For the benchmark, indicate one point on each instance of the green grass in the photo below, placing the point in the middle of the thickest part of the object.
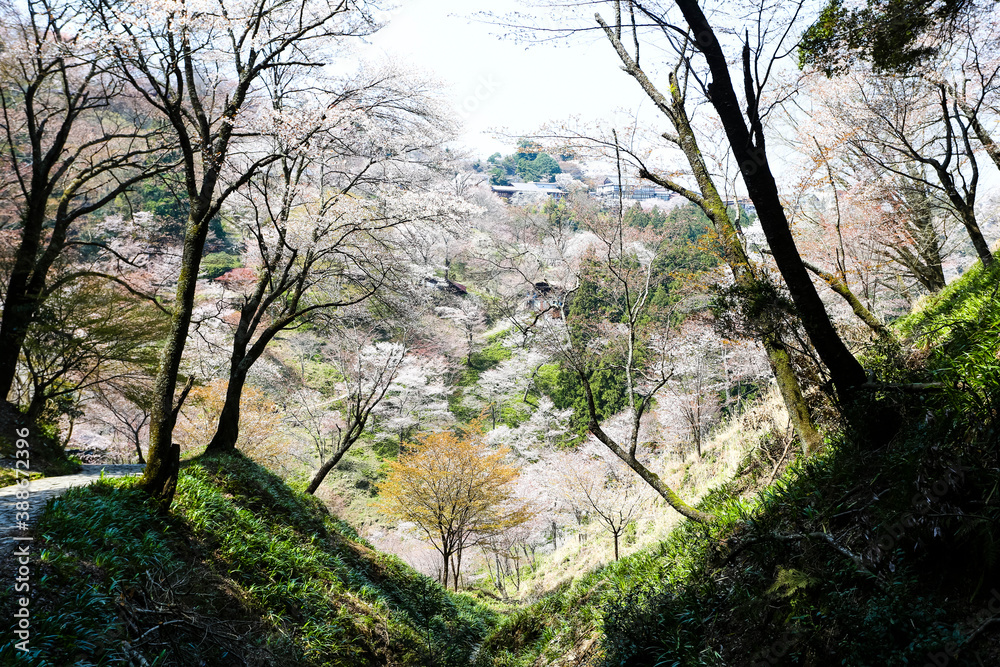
(242, 570)
(247, 570)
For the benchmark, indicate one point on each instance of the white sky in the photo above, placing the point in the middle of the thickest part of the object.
(498, 84)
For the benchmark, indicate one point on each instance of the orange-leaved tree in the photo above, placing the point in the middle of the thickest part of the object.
(457, 489)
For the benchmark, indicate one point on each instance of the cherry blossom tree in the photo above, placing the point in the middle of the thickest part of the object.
(205, 68)
(417, 398)
(322, 223)
(469, 316)
(698, 378)
(920, 241)
(506, 554)
(605, 491)
(547, 427)
(622, 267)
(508, 382)
(914, 131)
(124, 408)
(72, 139)
(367, 370)
(700, 187)
(744, 364)
(311, 412)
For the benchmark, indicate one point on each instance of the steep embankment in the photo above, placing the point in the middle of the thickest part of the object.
(244, 571)
(865, 555)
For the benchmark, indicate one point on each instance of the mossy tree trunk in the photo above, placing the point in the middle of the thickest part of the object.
(628, 457)
(837, 283)
(203, 150)
(163, 455)
(748, 146)
(711, 203)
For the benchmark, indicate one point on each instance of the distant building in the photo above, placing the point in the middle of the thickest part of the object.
(446, 285)
(742, 202)
(537, 190)
(634, 190)
(543, 296)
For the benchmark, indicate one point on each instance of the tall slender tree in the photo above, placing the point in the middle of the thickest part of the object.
(205, 67)
(707, 196)
(744, 128)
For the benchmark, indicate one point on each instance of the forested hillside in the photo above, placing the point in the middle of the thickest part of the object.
(716, 386)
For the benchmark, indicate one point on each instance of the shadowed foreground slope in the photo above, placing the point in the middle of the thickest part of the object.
(244, 571)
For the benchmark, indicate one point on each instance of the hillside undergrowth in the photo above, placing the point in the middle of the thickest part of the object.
(866, 554)
(244, 571)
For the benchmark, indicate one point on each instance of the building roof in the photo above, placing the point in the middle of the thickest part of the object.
(528, 187)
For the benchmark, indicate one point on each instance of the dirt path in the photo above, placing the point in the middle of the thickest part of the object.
(50, 487)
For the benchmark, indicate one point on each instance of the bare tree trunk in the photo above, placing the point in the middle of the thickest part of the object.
(458, 567)
(967, 215)
(710, 201)
(748, 148)
(330, 463)
(137, 443)
(227, 432)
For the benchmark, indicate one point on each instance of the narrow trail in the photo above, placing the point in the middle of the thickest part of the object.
(49, 487)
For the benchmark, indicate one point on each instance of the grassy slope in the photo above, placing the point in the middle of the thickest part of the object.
(839, 562)
(862, 555)
(746, 446)
(243, 571)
